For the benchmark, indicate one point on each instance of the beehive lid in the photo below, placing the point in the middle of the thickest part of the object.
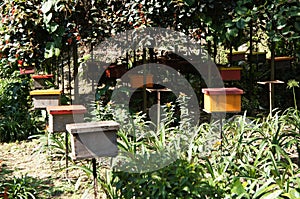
(46, 92)
(285, 58)
(222, 91)
(42, 76)
(258, 53)
(89, 127)
(67, 109)
(230, 68)
(237, 52)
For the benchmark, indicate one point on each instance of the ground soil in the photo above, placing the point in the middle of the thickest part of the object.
(19, 159)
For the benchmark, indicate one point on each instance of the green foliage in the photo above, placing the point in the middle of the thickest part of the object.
(21, 34)
(262, 151)
(180, 179)
(259, 165)
(256, 159)
(16, 121)
(291, 85)
(24, 187)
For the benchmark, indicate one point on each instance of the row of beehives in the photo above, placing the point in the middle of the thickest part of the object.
(88, 139)
(215, 100)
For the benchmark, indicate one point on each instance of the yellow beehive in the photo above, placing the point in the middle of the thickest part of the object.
(43, 98)
(222, 99)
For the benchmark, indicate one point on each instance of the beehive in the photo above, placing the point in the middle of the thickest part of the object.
(257, 57)
(43, 98)
(39, 81)
(222, 99)
(93, 139)
(237, 56)
(282, 62)
(137, 81)
(232, 73)
(59, 116)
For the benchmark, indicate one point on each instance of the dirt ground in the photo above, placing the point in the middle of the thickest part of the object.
(18, 159)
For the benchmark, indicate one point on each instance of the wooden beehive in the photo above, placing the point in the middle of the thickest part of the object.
(39, 81)
(236, 56)
(232, 73)
(59, 116)
(257, 57)
(282, 62)
(27, 70)
(115, 71)
(137, 81)
(222, 99)
(93, 139)
(43, 98)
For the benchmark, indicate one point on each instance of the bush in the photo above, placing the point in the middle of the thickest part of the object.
(16, 120)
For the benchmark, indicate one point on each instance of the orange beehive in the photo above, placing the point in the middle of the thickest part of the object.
(222, 99)
(139, 80)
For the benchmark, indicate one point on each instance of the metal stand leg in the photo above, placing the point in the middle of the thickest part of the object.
(95, 177)
(158, 110)
(67, 151)
(270, 98)
(221, 132)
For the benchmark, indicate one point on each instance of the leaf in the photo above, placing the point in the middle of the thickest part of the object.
(47, 6)
(281, 26)
(297, 25)
(47, 18)
(189, 2)
(228, 24)
(231, 33)
(56, 52)
(276, 38)
(238, 188)
(248, 19)
(186, 188)
(209, 38)
(264, 188)
(53, 27)
(241, 10)
(240, 23)
(58, 7)
(272, 195)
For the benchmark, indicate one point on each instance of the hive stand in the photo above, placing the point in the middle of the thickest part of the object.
(270, 91)
(158, 90)
(60, 116)
(44, 98)
(93, 139)
(222, 100)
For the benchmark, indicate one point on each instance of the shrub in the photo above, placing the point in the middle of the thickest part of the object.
(17, 122)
